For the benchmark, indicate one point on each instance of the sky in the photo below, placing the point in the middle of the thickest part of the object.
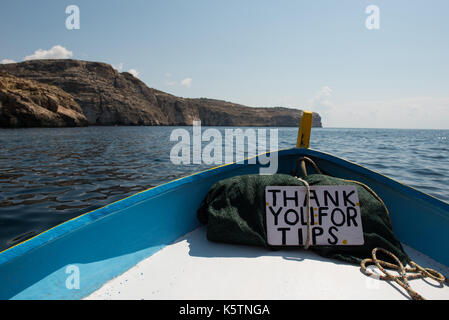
(358, 68)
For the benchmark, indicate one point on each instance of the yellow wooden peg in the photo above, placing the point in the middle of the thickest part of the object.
(305, 128)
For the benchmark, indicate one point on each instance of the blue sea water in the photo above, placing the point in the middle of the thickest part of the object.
(50, 175)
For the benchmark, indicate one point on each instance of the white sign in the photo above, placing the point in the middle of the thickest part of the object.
(335, 215)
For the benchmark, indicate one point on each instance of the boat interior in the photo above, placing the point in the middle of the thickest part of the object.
(151, 246)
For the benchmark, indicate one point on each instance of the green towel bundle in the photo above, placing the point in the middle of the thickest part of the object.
(235, 212)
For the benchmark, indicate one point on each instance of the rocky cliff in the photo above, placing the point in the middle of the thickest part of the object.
(108, 97)
(28, 103)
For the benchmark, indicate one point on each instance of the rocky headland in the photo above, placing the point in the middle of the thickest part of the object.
(55, 93)
(28, 103)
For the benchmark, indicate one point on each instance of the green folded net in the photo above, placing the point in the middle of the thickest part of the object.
(234, 211)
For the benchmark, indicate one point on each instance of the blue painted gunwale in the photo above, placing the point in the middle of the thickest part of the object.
(108, 241)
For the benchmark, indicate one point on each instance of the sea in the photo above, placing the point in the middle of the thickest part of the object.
(51, 175)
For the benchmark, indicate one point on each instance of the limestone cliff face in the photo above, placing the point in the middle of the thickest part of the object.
(108, 97)
(27, 103)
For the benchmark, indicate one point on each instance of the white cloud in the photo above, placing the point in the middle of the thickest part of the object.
(170, 83)
(56, 52)
(118, 67)
(321, 102)
(414, 112)
(134, 72)
(410, 112)
(187, 82)
(6, 61)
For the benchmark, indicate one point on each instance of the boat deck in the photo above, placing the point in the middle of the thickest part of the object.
(195, 268)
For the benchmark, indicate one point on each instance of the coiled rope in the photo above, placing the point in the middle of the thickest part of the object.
(417, 272)
(309, 215)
